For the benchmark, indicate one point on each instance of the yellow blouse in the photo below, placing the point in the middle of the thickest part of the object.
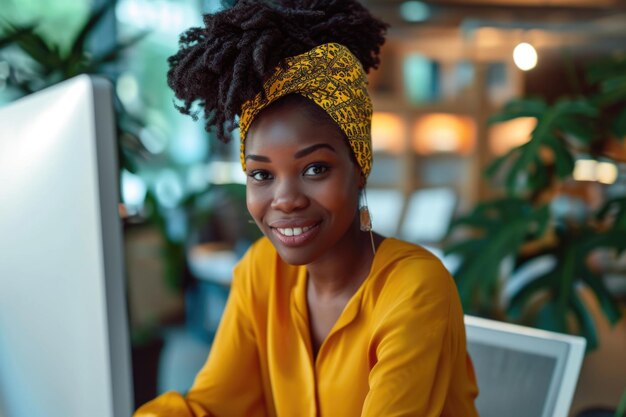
(398, 348)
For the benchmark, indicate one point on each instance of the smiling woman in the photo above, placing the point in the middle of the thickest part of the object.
(325, 317)
(301, 175)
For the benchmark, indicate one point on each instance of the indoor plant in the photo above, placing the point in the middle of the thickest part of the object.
(521, 225)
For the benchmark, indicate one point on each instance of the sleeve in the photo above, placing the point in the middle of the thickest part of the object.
(414, 345)
(230, 382)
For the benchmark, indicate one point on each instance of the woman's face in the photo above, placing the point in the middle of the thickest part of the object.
(302, 185)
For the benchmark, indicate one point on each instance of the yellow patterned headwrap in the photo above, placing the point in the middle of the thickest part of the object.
(332, 77)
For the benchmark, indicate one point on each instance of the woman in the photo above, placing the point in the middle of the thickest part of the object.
(325, 318)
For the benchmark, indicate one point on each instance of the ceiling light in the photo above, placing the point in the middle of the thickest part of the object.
(525, 56)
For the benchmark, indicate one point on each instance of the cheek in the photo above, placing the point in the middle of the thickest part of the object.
(339, 197)
(255, 201)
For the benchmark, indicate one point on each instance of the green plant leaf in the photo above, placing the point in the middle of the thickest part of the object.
(586, 323)
(563, 159)
(606, 68)
(566, 276)
(540, 222)
(616, 205)
(14, 34)
(519, 301)
(618, 127)
(115, 51)
(520, 108)
(603, 295)
(550, 318)
(615, 82)
(78, 46)
(462, 248)
(610, 239)
(38, 49)
(494, 166)
(580, 107)
(580, 128)
(524, 167)
(621, 407)
(521, 166)
(500, 227)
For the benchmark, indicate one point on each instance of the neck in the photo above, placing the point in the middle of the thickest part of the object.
(341, 271)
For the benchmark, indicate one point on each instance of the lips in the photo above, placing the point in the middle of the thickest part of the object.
(294, 233)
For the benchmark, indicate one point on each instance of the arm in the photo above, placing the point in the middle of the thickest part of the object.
(416, 344)
(230, 382)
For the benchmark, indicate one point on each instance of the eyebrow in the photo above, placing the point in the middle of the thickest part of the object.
(300, 154)
(258, 158)
(306, 151)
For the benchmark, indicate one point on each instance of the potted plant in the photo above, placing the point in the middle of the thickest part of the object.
(529, 254)
(522, 225)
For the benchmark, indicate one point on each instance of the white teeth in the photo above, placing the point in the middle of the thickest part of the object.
(296, 231)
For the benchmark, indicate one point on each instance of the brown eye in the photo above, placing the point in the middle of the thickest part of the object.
(315, 169)
(260, 175)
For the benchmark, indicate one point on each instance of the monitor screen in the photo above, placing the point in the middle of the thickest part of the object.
(523, 371)
(385, 206)
(428, 215)
(64, 346)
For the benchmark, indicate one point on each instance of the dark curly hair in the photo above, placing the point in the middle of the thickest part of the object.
(223, 64)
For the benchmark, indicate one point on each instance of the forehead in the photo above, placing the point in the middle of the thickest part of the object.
(291, 127)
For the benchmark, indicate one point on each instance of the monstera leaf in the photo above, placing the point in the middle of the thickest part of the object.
(520, 227)
(557, 288)
(500, 228)
(556, 126)
(610, 76)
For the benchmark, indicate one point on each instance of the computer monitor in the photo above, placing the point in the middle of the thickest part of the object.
(385, 206)
(428, 215)
(522, 371)
(64, 345)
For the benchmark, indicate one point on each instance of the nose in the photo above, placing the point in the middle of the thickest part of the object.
(288, 197)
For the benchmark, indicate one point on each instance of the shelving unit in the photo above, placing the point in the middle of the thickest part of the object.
(465, 86)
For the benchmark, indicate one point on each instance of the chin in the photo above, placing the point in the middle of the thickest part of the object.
(294, 256)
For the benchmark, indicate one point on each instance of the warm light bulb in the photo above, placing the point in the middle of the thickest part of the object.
(388, 132)
(585, 170)
(525, 56)
(442, 132)
(606, 172)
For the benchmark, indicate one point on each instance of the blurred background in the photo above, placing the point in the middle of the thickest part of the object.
(498, 133)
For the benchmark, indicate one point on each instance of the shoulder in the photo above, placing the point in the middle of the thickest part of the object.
(406, 265)
(410, 274)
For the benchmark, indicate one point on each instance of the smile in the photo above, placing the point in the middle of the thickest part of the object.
(296, 231)
(295, 236)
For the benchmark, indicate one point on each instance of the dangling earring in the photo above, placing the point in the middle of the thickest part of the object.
(366, 219)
